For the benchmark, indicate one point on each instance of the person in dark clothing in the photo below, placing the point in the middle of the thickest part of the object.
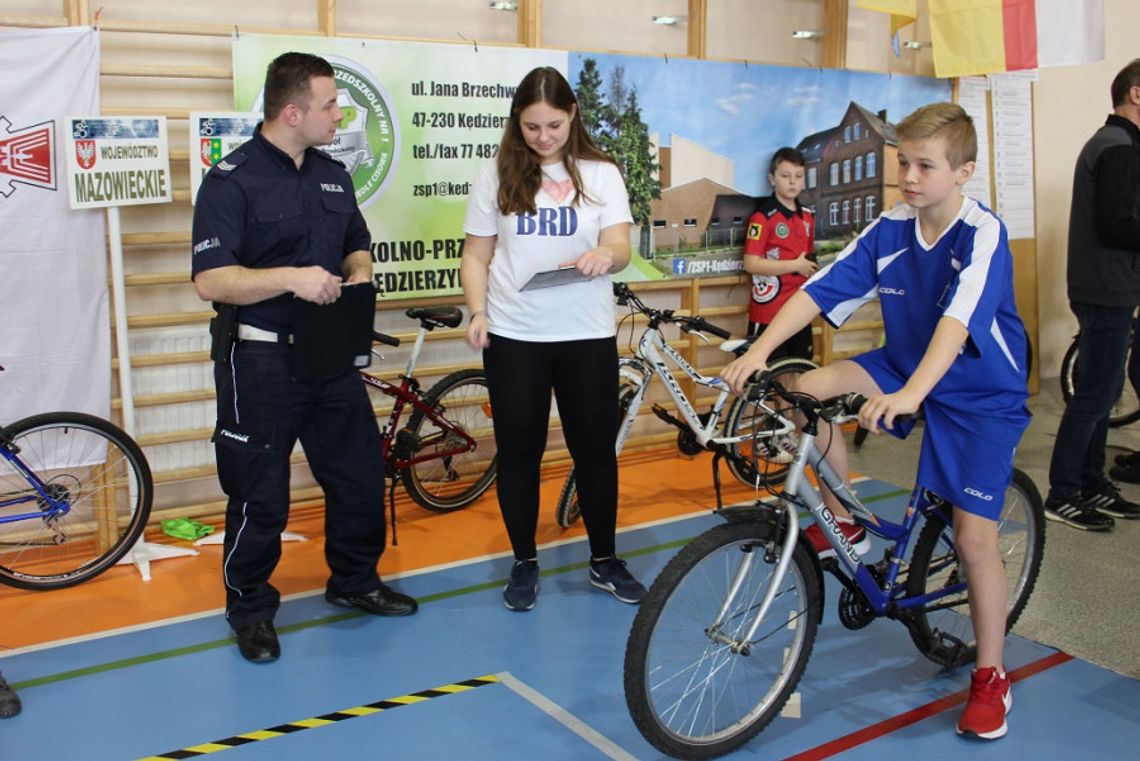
(1104, 289)
(275, 221)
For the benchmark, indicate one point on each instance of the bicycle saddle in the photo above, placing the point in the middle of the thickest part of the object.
(436, 317)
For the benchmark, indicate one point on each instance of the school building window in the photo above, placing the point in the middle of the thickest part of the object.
(833, 213)
(846, 212)
(811, 176)
(737, 221)
(659, 224)
(870, 208)
(714, 221)
(858, 129)
(691, 222)
(858, 168)
(833, 171)
(846, 171)
(870, 165)
(858, 210)
(847, 134)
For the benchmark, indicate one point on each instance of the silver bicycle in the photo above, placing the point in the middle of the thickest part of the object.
(728, 429)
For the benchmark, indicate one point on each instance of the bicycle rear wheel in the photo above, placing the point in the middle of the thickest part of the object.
(689, 691)
(448, 482)
(767, 462)
(938, 629)
(1125, 410)
(102, 476)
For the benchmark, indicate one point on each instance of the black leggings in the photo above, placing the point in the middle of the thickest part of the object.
(584, 377)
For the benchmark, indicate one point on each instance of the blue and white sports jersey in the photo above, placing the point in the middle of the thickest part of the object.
(967, 274)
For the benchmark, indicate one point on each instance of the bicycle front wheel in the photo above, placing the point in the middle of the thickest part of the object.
(99, 473)
(694, 688)
(758, 461)
(943, 631)
(450, 477)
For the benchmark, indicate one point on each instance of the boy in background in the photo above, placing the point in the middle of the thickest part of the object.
(779, 251)
(943, 271)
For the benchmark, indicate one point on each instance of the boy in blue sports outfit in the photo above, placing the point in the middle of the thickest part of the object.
(943, 271)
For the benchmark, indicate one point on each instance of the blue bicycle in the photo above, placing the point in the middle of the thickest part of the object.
(720, 642)
(75, 496)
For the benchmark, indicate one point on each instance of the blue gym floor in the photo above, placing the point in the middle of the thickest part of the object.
(468, 679)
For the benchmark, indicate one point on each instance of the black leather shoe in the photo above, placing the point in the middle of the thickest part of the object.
(258, 642)
(9, 700)
(380, 602)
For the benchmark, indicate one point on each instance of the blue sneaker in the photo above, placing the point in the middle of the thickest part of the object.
(610, 574)
(522, 588)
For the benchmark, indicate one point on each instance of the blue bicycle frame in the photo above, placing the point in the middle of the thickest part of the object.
(39, 494)
(880, 597)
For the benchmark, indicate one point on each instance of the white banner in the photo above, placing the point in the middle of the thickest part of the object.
(54, 326)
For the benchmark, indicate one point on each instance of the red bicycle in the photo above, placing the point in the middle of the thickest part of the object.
(445, 455)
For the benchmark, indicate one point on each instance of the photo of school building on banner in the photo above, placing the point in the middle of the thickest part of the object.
(420, 120)
(695, 139)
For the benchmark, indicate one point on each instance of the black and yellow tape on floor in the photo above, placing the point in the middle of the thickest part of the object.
(326, 719)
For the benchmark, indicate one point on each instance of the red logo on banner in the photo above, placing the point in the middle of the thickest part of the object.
(85, 153)
(27, 156)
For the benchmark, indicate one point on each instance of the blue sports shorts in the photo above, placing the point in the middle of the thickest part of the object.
(970, 470)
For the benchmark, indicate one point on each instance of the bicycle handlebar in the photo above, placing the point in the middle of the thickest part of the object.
(625, 296)
(384, 338)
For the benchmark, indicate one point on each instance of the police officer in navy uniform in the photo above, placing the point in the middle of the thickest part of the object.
(276, 220)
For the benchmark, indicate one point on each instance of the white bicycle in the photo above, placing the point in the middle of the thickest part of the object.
(766, 463)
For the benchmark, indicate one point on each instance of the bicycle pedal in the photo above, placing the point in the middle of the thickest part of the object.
(946, 649)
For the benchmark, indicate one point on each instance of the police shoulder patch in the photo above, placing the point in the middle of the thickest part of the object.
(227, 165)
(327, 157)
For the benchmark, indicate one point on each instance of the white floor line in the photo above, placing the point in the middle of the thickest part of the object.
(564, 717)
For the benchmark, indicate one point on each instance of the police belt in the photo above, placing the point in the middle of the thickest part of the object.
(251, 333)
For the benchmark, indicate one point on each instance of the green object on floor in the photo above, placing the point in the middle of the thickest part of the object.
(185, 528)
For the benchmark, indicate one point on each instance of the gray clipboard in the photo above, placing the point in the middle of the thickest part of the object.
(554, 278)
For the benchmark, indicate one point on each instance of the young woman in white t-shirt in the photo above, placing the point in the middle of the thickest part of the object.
(550, 199)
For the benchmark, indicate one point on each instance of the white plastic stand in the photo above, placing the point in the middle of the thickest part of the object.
(144, 552)
(219, 536)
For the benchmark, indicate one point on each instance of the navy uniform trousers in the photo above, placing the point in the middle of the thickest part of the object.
(262, 412)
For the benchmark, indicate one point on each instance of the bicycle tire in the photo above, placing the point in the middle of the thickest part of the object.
(769, 466)
(110, 497)
(1125, 411)
(567, 511)
(1021, 530)
(451, 482)
(706, 700)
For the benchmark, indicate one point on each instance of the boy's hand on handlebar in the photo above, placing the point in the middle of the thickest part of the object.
(476, 333)
(738, 372)
(879, 412)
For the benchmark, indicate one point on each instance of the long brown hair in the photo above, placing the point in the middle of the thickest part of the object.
(520, 174)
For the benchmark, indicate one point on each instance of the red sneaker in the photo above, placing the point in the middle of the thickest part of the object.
(990, 700)
(855, 534)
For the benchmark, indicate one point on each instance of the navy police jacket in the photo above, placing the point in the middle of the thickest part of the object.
(256, 209)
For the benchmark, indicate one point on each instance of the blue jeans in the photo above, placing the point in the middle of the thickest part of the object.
(1078, 454)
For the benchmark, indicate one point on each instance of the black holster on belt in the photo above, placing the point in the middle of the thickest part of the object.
(223, 332)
